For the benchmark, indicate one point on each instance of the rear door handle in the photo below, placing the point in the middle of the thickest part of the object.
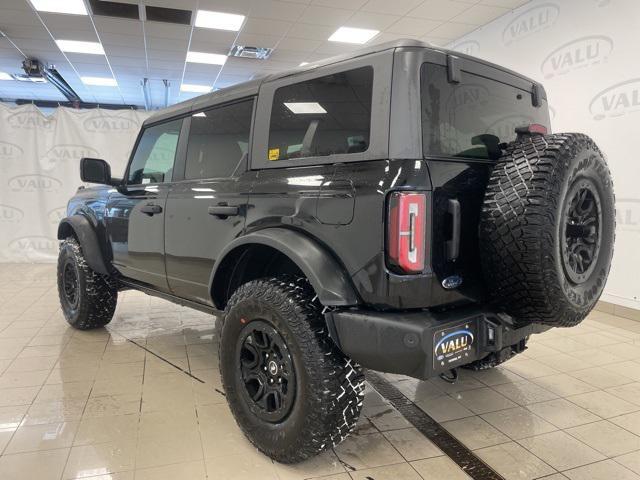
(151, 209)
(453, 245)
(224, 211)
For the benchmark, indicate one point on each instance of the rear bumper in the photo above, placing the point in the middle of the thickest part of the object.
(423, 344)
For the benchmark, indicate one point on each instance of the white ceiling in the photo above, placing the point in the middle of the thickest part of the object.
(297, 30)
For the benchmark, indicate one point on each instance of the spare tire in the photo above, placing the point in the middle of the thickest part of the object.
(547, 229)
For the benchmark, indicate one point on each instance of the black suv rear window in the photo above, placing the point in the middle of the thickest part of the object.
(323, 116)
(469, 119)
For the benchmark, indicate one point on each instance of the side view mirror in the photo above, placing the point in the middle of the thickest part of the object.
(95, 170)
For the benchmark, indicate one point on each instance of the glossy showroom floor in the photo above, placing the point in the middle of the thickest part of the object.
(105, 405)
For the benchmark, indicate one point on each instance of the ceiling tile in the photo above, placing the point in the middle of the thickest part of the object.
(12, 19)
(439, 9)
(167, 30)
(252, 40)
(375, 21)
(265, 26)
(452, 30)
(326, 16)
(299, 44)
(117, 25)
(480, 14)
(396, 7)
(312, 32)
(227, 6)
(504, 3)
(163, 43)
(348, 4)
(413, 27)
(120, 40)
(277, 10)
(207, 35)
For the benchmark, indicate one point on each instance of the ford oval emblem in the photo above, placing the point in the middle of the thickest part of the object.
(454, 281)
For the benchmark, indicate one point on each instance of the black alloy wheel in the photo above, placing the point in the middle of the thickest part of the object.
(583, 224)
(71, 284)
(267, 371)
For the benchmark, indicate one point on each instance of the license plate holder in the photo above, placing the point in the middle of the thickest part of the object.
(455, 345)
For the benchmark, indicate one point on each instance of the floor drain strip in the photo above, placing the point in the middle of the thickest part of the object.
(445, 441)
(165, 360)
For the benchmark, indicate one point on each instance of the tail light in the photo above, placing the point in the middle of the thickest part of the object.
(406, 223)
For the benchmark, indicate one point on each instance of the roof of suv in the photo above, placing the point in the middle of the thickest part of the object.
(251, 87)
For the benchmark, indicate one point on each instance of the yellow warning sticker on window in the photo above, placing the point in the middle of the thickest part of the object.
(274, 153)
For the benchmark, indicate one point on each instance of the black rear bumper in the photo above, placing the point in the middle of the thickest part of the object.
(424, 344)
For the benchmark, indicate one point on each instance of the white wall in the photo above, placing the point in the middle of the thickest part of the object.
(587, 55)
(39, 170)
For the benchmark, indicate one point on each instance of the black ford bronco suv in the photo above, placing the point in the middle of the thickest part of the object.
(403, 208)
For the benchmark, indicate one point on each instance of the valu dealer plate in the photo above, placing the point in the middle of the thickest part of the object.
(454, 346)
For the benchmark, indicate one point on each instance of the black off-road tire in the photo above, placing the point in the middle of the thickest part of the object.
(528, 222)
(329, 387)
(96, 295)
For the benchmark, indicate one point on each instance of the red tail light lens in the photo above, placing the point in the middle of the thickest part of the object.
(406, 231)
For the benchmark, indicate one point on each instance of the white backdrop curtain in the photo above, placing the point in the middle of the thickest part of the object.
(39, 169)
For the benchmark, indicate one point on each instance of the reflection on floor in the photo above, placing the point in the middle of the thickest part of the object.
(94, 404)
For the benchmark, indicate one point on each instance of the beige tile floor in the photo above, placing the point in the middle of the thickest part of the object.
(97, 405)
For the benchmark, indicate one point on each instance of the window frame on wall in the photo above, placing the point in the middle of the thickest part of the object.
(382, 64)
(241, 161)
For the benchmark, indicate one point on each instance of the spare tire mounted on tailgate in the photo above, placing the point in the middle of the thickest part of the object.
(547, 228)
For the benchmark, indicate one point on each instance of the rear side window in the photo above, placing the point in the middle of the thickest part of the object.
(324, 116)
(218, 140)
(470, 119)
(155, 154)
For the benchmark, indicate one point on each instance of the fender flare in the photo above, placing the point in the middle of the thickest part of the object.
(326, 275)
(88, 239)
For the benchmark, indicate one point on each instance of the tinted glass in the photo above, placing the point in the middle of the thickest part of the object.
(156, 152)
(323, 116)
(471, 118)
(218, 140)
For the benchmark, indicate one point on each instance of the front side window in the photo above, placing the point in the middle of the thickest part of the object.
(156, 152)
(324, 116)
(218, 140)
(472, 118)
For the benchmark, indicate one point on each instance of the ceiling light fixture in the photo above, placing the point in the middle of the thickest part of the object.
(77, 46)
(210, 58)
(189, 87)
(5, 76)
(305, 107)
(100, 81)
(72, 7)
(219, 20)
(353, 35)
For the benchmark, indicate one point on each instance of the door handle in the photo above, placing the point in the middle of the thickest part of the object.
(151, 209)
(224, 211)
(453, 245)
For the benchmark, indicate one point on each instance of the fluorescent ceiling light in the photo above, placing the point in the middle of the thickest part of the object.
(305, 107)
(5, 76)
(187, 87)
(73, 7)
(100, 81)
(353, 35)
(199, 114)
(210, 58)
(219, 20)
(76, 46)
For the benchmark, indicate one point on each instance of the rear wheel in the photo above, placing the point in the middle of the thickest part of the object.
(290, 389)
(547, 229)
(88, 299)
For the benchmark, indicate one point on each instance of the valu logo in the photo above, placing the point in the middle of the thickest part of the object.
(30, 120)
(628, 214)
(530, 21)
(9, 214)
(468, 47)
(33, 246)
(453, 344)
(100, 123)
(54, 216)
(578, 53)
(34, 182)
(59, 154)
(617, 100)
(467, 95)
(10, 151)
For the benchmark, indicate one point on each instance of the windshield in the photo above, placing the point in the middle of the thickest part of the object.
(472, 118)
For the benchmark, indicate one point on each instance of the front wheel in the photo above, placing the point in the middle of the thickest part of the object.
(88, 299)
(290, 389)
